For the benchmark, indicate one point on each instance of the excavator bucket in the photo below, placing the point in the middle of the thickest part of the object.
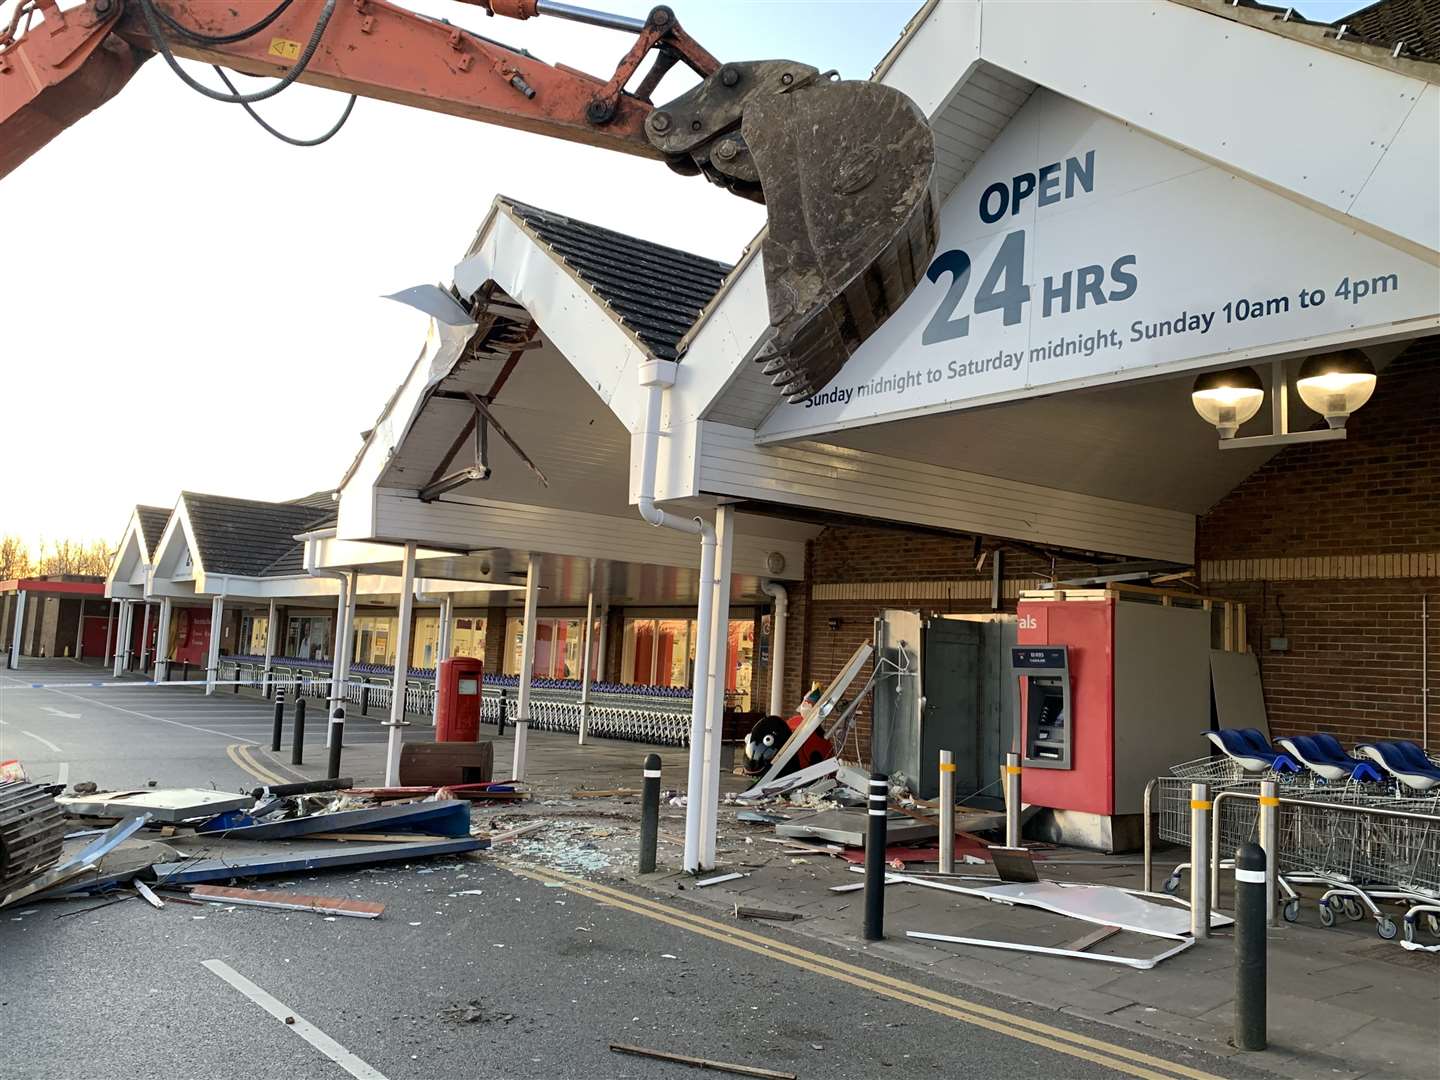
(847, 169)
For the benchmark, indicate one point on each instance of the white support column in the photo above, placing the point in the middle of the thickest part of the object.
(212, 661)
(397, 722)
(719, 670)
(80, 630)
(527, 665)
(442, 649)
(778, 625)
(145, 639)
(270, 631)
(343, 607)
(19, 634)
(585, 661)
(699, 706)
(447, 628)
(162, 640)
(122, 639)
(109, 625)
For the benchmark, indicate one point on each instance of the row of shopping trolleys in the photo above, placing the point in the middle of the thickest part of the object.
(1364, 826)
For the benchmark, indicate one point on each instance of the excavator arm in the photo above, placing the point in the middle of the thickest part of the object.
(844, 167)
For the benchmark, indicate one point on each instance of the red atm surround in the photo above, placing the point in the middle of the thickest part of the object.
(457, 708)
(1087, 629)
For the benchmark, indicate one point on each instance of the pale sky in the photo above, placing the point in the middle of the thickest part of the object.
(192, 304)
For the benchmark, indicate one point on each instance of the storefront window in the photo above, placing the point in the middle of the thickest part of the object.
(253, 629)
(308, 637)
(559, 645)
(468, 638)
(374, 639)
(426, 642)
(661, 652)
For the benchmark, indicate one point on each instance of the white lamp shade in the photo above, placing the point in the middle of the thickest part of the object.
(1226, 399)
(1336, 384)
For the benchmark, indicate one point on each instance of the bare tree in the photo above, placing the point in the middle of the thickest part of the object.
(75, 557)
(14, 558)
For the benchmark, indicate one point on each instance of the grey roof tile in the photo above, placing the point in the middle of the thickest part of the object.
(247, 537)
(152, 525)
(657, 291)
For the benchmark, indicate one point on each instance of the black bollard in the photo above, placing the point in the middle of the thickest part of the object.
(185, 671)
(337, 734)
(649, 813)
(875, 835)
(297, 746)
(364, 699)
(500, 719)
(279, 729)
(1250, 948)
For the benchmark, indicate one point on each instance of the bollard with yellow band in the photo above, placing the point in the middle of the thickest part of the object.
(1011, 777)
(1270, 842)
(947, 812)
(1200, 861)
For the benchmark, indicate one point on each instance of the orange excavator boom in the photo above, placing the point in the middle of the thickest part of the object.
(844, 167)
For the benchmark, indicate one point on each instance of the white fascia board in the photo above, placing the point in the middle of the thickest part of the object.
(335, 554)
(677, 464)
(234, 587)
(859, 483)
(1313, 125)
(388, 585)
(478, 524)
(574, 319)
(176, 541)
(128, 557)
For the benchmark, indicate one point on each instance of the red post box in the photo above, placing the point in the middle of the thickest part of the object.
(457, 716)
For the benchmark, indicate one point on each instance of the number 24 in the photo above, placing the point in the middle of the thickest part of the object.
(1009, 266)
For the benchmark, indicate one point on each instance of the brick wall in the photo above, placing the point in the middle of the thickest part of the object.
(1332, 546)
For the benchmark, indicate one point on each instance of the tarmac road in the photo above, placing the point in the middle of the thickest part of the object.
(478, 968)
(126, 736)
(122, 991)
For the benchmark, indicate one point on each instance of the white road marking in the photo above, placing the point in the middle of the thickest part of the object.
(57, 712)
(295, 1022)
(62, 774)
(147, 716)
(42, 739)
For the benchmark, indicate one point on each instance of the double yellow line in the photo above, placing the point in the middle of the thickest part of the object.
(241, 755)
(1111, 1056)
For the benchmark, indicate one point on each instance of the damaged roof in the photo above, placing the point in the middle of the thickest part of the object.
(1416, 23)
(249, 538)
(152, 525)
(657, 292)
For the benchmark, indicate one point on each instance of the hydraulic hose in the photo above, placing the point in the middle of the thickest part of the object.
(219, 39)
(280, 134)
(152, 23)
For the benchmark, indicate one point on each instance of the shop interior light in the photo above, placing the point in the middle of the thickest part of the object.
(1336, 384)
(1226, 399)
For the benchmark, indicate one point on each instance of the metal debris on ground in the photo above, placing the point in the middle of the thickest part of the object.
(148, 895)
(718, 879)
(326, 905)
(703, 1063)
(765, 913)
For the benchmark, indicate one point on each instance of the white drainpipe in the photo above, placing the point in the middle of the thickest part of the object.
(777, 644)
(339, 665)
(656, 376)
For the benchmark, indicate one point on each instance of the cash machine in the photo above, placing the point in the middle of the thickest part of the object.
(1112, 688)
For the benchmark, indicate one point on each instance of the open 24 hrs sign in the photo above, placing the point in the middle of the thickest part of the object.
(1079, 250)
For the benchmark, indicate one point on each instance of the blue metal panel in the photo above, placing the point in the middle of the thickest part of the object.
(288, 861)
(449, 818)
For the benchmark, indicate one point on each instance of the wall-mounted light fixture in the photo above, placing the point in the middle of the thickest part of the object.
(1336, 384)
(1226, 399)
(1333, 384)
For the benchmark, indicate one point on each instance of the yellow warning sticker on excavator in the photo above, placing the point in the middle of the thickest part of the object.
(285, 49)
